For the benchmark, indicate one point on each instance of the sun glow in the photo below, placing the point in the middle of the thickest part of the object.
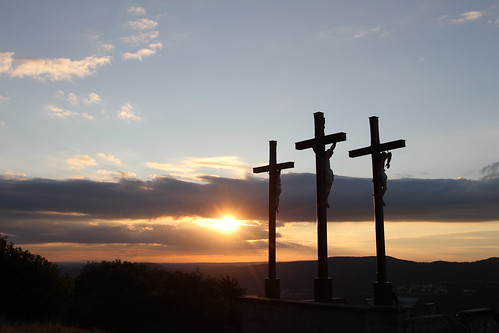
(227, 223)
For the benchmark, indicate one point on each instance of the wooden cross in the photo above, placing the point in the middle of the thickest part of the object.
(377, 150)
(272, 287)
(323, 283)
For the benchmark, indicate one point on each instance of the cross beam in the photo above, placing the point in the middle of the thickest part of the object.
(382, 288)
(323, 283)
(272, 285)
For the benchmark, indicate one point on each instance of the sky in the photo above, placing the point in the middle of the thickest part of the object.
(129, 129)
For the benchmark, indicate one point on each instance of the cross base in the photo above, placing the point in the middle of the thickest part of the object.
(383, 294)
(273, 288)
(323, 290)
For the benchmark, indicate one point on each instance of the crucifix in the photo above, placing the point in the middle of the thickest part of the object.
(380, 155)
(324, 178)
(272, 285)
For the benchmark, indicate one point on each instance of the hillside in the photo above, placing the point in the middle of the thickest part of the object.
(452, 286)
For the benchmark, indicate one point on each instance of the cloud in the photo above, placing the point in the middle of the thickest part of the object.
(157, 45)
(175, 214)
(141, 38)
(371, 31)
(3, 98)
(55, 69)
(465, 17)
(92, 98)
(109, 158)
(81, 161)
(105, 46)
(87, 116)
(60, 94)
(143, 52)
(194, 168)
(437, 200)
(136, 10)
(142, 24)
(58, 112)
(490, 171)
(113, 175)
(73, 99)
(6, 60)
(352, 32)
(127, 111)
(139, 54)
(184, 237)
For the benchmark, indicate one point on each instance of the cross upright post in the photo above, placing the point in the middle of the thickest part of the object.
(323, 290)
(378, 151)
(272, 284)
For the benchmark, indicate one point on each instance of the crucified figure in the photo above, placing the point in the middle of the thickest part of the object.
(385, 159)
(278, 190)
(329, 172)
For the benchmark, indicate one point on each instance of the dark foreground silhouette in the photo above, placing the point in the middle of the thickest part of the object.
(115, 296)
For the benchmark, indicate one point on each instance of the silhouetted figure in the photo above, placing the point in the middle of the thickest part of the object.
(329, 179)
(278, 190)
(384, 159)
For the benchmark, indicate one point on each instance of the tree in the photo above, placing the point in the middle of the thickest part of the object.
(126, 297)
(30, 286)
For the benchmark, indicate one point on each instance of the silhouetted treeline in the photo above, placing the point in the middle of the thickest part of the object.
(31, 287)
(115, 296)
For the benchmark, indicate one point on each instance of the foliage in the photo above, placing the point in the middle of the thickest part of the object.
(128, 297)
(31, 286)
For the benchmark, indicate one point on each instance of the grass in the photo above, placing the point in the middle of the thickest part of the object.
(8, 327)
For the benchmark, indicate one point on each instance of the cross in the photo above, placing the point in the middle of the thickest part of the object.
(323, 283)
(272, 286)
(378, 151)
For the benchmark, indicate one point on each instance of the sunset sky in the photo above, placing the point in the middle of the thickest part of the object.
(129, 129)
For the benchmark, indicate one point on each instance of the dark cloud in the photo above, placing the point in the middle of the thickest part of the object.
(186, 235)
(351, 199)
(490, 171)
(43, 210)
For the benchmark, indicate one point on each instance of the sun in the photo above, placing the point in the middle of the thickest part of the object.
(227, 223)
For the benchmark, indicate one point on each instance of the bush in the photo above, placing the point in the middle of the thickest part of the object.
(30, 286)
(128, 297)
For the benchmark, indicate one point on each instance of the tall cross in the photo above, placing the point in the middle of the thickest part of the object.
(272, 285)
(379, 154)
(323, 284)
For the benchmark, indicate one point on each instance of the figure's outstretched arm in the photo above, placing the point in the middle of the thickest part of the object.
(330, 151)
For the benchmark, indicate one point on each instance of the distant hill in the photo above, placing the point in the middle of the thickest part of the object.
(452, 286)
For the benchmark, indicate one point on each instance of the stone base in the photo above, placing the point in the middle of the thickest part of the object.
(383, 294)
(273, 288)
(323, 290)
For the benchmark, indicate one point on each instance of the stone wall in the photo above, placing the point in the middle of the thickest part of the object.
(278, 316)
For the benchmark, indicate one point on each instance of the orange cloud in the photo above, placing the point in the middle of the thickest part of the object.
(51, 69)
(194, 167)
(109, 158)
(81, 161)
